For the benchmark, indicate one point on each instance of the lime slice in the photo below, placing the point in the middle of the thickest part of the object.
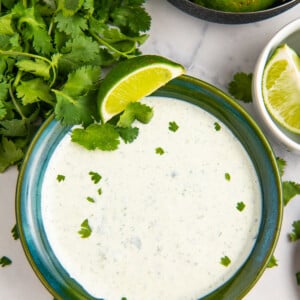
(281, 88)
(133, 79)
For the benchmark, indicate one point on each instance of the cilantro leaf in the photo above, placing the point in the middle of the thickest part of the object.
(79, 110)
(15, 232)
(82, 80)
(9, 154)
(227, 176)
(90, 199)
(96, 177)
(131, 19)
(60, 177)
(38, 67)
(97, 136)
(173, 126)
(217, 126)
(240, 87)
(85, 230)
(135, 111)
(128, 134)
(5, 261)
(295, 234)
(272, 262)
(240, 206)
(34, 90)
(281, 165)
(290, 190)
(159, 150)
(13, 128)
(225, 261)
(71, 25)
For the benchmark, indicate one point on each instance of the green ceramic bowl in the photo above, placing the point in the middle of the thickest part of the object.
(209, 98)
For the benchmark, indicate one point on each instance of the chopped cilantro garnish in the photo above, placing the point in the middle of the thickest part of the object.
(5, 261)
(227, 176)
(225, 261)
(281, 165)
(295, 234)
(124, 298)
(97, 136)
(298, 278)
(15, 232)
(272, 262)
(85, 230)
(159, 151)
(173, 126)
(60, 178)
(217, 126)
(90, 199)
(96, 177)
(240, 87)
(135, 111)
(240, 206)
(99, 191)
(290, 190)
(128, 134)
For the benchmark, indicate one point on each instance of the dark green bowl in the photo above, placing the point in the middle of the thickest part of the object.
(28, 196)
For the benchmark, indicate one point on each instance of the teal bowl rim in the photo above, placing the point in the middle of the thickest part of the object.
(245, 129)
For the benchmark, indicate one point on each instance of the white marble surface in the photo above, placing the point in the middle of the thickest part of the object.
(213, 53)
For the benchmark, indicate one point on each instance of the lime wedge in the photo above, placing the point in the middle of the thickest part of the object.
(133, 79)
(281, 88)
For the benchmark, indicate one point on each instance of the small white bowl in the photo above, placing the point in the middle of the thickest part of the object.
(289, 34)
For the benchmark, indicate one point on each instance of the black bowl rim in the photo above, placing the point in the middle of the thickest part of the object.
(222, 17)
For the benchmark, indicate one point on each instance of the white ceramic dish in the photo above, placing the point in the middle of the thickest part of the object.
(289, 34)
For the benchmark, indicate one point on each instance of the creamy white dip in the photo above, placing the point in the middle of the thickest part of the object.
(163, 222)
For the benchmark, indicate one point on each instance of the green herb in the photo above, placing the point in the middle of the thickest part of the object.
(5, 261)
(107, 136)
(51, 58)
(240, 206)
(159, 151)
(217, 126)
(99, 191)
(90, 199)
(272, 262)
(96, 177)
(60, 178)
(290, 190)
(173, 126)
(225, 261)
(295, 234)
(85, 230)
(135, 111)
(227, 176)
(123, 298)
(15, 232)
(298, 278)
(281, 163)
(240, 87)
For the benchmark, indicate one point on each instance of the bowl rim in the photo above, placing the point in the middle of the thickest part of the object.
(268, 123)
(226, 17)
(267, 239)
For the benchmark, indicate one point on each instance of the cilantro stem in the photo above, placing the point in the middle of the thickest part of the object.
(110, 47)
(17, 53)
(15, 102)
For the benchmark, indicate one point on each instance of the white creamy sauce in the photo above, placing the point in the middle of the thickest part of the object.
(163, 222)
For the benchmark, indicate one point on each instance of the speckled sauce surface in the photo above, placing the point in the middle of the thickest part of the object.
(162, 221)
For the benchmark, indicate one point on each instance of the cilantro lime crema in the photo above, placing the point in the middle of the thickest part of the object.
(172, 215)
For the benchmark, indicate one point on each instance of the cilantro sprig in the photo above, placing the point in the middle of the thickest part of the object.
(52, 54)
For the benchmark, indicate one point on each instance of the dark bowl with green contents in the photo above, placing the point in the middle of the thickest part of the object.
(230, 17)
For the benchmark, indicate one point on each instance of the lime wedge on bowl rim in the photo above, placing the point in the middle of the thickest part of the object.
(133, 79)
(281, 88)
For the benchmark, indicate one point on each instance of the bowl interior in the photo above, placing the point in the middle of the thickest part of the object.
(28, 204)
(289, 34)
(230, 17)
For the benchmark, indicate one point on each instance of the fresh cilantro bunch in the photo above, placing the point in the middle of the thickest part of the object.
(52, 53)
